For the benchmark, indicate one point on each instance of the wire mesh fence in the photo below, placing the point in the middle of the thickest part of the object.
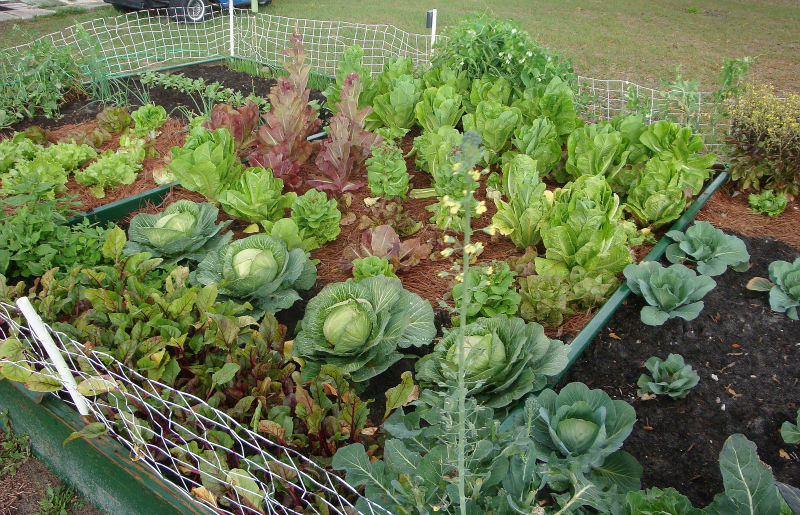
(182, 438)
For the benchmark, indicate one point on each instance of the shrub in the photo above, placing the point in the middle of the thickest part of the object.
(765, 134)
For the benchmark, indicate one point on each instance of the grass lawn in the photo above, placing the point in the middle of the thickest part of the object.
(640, 40)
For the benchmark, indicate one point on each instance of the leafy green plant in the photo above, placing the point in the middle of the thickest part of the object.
(583, 429)
(316, 216)
(183, 232)
(41, 169)
(114, 119)
(521, 218)
(35, 237)
(505, 358)
(347, 145)
(710, 249)
(240, 122)
(384, 242)
(656, 197)
(351, 62)
(394, 109)
(147, 119)
(540, 141)
(372, 266)
(14, 449)
(671, 377)
(201, 92)
(439, 107)
(286, 229)
(258, 270)
(109, 170)
(767, 202)
(791, 432)
(60, 500)
(783, 286)
(490, 89)
(495, 123)
(206, 163)
(665, 139)
(69, 156)
(281, 141)
(358, 327)
(386, 171)
(15, 149)
(670, 292)
(492, 291)
(595, 150)
(654, 500)
(555, 100)
(257, 197)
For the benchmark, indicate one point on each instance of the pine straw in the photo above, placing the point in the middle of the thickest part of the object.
(12, 490)
(725, 211)
(170, 136)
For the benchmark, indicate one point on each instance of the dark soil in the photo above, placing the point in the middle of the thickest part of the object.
(754, 354)
(78, 109)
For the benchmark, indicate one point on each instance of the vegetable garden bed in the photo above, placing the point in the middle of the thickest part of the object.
(301, 332)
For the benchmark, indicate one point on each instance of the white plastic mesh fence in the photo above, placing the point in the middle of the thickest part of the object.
(182, 438)
(151, 39)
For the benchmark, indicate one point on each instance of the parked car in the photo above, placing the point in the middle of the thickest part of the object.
(185, 11)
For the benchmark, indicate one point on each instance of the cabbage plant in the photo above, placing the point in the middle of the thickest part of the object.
(258, 270)
(583, 428)
(671, 377)
(711, 249)
(670, 292)
(358, 327)
(505, 358)
(783, 287)
(184, 231)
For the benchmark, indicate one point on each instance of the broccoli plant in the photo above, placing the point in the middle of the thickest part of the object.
(670, 292)
(672, 377)
(358, 327)
(783, 286)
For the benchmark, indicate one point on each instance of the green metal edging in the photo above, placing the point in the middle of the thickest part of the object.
(123, 207)
(101, 469)
(601, 318)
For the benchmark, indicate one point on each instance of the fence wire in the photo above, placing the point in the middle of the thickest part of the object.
(179, 436)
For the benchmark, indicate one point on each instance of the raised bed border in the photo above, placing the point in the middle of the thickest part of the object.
(102, 470)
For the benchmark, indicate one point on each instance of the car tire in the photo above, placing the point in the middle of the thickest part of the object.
(189, 11)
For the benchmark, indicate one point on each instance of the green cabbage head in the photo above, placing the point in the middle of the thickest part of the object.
(358, 327)
(185, 231)
(505, 358)
(258, 270)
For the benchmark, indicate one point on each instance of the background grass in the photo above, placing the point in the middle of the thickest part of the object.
(641, 40)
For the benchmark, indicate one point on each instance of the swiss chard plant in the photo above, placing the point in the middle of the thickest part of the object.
(359, 327)
(348, 144)
(710, 249)
(316, 217)
(185, 232)
(258, 270)
(281, 141)
(387, 175)
(505, 358)
(257, 197)
(671, 377)
(670, 292)
(439, 107)
(783, 286)
(206, 163)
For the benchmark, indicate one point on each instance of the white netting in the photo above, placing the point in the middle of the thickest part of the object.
(157, 423)
(151, 39)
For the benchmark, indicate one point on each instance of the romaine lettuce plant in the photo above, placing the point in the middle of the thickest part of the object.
(495, 123)
(257, 197)
(147, 119)
(768, 202)
(282, 144)
(183, 232)
(556, 102)
(710, 249)
(657, 195)
(492, 89)
(595, 150)
(206, 163)
(434, 149)
(386, 171)
(492, 291)
(521, 217)
(372, 266)
(505, 359)
(654, 500)
(667, 140)
(394, 109)
(351, 62)
(316, 216)
(670, 292)
(540, 141)
(347, 145)
(240, 123)
(671, 377)
(258, 270)
(358, 327)
(783, 287)
(439, 107)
